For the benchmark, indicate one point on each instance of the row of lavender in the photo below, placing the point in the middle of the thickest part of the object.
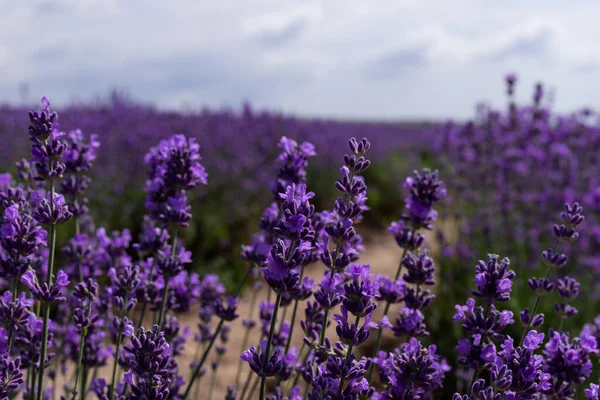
(514, 168)
(510, 170)
(238, 154)
(97, 323)
(237, 145)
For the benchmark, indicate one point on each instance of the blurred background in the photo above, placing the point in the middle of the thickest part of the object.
(348, 59)
(423, 80)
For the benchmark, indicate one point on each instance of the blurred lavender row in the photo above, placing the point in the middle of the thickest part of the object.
(237, 145)
(512, 168)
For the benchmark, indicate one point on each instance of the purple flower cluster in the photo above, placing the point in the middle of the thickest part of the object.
(173, 168)
(71, 324)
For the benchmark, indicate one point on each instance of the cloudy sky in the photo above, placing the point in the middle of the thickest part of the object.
(354, 59)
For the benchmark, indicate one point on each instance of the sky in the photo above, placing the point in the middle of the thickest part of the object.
(386, 59)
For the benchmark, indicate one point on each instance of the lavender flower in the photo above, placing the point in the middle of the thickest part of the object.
(593, 393)
(493, 279)
(53, 293)
(258, 362)
(174, 168)
(568, 361)
(11, 377)
(150, 375)
(479, 391)
(527, 377)
(425, 190)
(413, 372)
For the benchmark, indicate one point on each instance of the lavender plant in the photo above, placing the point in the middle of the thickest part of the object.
(116, 311)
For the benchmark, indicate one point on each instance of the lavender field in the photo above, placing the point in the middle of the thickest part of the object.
(223, 254)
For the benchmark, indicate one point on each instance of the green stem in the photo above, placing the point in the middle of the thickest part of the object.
(534, 310)
(79, 264)
(246, 336)
(43, 352)
(385, 312)
(293, 322)
(119, 339)
(33, 380)
(52, 234)
(263, 380)
(143, 313)
(166, 288)
(163, 303)
(29, 384)
(203, 360)
(562, 322)
(537, 299)
(347, 360)
(199, 347)
(326, 311)
(84, 379)
(13, 287)
(79, 360)
(474, 378)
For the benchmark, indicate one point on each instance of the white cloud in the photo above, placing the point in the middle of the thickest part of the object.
(405, 58)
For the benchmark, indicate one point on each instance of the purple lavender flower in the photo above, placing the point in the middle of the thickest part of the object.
(11, 376)
(46, 148)
(420, 269)
(493, 279)
(55, 292)
(593, 393)
(51, 214)
(14, 315)
(174, 168)
(567, 288)
(360, 292)
(526, 368)
(390, 291)
(425, 190)
(409, 323)
(149, 363)
(541, 287)
(228, 312)
(569, 360)
(256, 359)
(475, 320)
(479, 391)
(413, 372)
(405, 236)
(475, 353)
(351, 333)
(528, 320)
(293, 160)
(19, 236)
(511, 80)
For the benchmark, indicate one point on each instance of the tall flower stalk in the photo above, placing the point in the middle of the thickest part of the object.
(47, 150)
(346, 212)
(124, 283)
(288, 255)
(425, 190)
(572, 218)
